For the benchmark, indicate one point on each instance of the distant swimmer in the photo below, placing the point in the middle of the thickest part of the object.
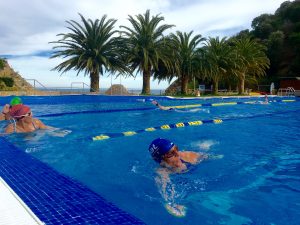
(266, 100)
(181, 109)
(154, 102)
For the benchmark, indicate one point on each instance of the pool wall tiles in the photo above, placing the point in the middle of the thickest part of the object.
(53, 197)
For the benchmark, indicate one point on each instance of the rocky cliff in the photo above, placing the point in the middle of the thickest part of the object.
(117, 89)
(20, 84)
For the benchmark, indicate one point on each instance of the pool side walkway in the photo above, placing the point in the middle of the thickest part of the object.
(53, 197)
(13, 211)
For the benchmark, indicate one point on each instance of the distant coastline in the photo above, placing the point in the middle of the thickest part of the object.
(102, 90)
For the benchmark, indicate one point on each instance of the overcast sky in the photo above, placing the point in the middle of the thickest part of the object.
(27, 27)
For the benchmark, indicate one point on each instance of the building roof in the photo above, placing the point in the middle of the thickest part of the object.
(289, 78)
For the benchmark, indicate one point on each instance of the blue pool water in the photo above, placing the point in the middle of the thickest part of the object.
(256, 182)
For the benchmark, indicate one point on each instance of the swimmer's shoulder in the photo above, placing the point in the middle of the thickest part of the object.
(190, 156)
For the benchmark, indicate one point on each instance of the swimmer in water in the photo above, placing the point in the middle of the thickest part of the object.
(171, 161)
(154, 102)
(23, 120)
(266, 100)
(5, 111)
(182, 110)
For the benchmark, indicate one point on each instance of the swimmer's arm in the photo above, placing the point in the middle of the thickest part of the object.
(9, 129)
(54, 131)
(162, 180)
(164, 174)
(41, 125)
(192, 157)
(164, 107)
(4, 113)
(2, 116)
(160, 106)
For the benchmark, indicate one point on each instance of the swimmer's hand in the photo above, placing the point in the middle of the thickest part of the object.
(215, 156)
(56, 132)
(6, 109)
(175, 209)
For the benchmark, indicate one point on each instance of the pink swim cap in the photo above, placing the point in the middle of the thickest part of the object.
(18, 111)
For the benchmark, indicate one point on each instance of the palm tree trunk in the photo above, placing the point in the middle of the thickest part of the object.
(229, 87)
(242, 85)
(146, 82)
(215, 86)
(94, 82)
(184, 84)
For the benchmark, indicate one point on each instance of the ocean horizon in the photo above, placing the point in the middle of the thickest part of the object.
(102, 90)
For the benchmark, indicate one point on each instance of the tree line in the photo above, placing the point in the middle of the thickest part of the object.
(95, 47)
(280, 33)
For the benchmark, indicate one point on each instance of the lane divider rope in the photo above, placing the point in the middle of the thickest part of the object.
(185, 124)
(151, 129)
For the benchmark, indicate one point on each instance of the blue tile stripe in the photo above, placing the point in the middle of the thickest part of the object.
(53, 197)
(95, 111)
(216, 104)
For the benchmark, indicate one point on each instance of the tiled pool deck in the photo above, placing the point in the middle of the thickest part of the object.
(53, 197)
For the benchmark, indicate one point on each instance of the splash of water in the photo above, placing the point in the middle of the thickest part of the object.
(205, 144)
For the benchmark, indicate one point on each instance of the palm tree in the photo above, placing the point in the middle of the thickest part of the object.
(216, 60)
(186, 56)
(252, 58)
(144, 45)
(90, 47)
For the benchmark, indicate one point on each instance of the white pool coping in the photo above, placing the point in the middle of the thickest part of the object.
(13, 211)
(222, 97)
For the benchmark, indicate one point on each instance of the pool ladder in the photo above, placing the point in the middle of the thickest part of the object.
(289, 91)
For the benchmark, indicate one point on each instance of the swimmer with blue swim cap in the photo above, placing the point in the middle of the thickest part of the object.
(171, 160)
(160, 147)
(168, 155)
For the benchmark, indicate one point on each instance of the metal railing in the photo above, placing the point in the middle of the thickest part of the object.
(289, 91)
(83, 86)
(38, 86)
(36, 82)
(76, 88)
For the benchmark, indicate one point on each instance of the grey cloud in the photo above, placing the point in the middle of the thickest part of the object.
(27, 26)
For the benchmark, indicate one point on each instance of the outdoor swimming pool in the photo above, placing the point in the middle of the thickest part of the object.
(256, 182)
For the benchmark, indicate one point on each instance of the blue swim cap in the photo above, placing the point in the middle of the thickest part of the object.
(159, 147)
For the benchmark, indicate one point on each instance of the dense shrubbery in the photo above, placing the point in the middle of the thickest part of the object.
(2, 64)
(7, 84)
(8, 81)
(280, 33)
